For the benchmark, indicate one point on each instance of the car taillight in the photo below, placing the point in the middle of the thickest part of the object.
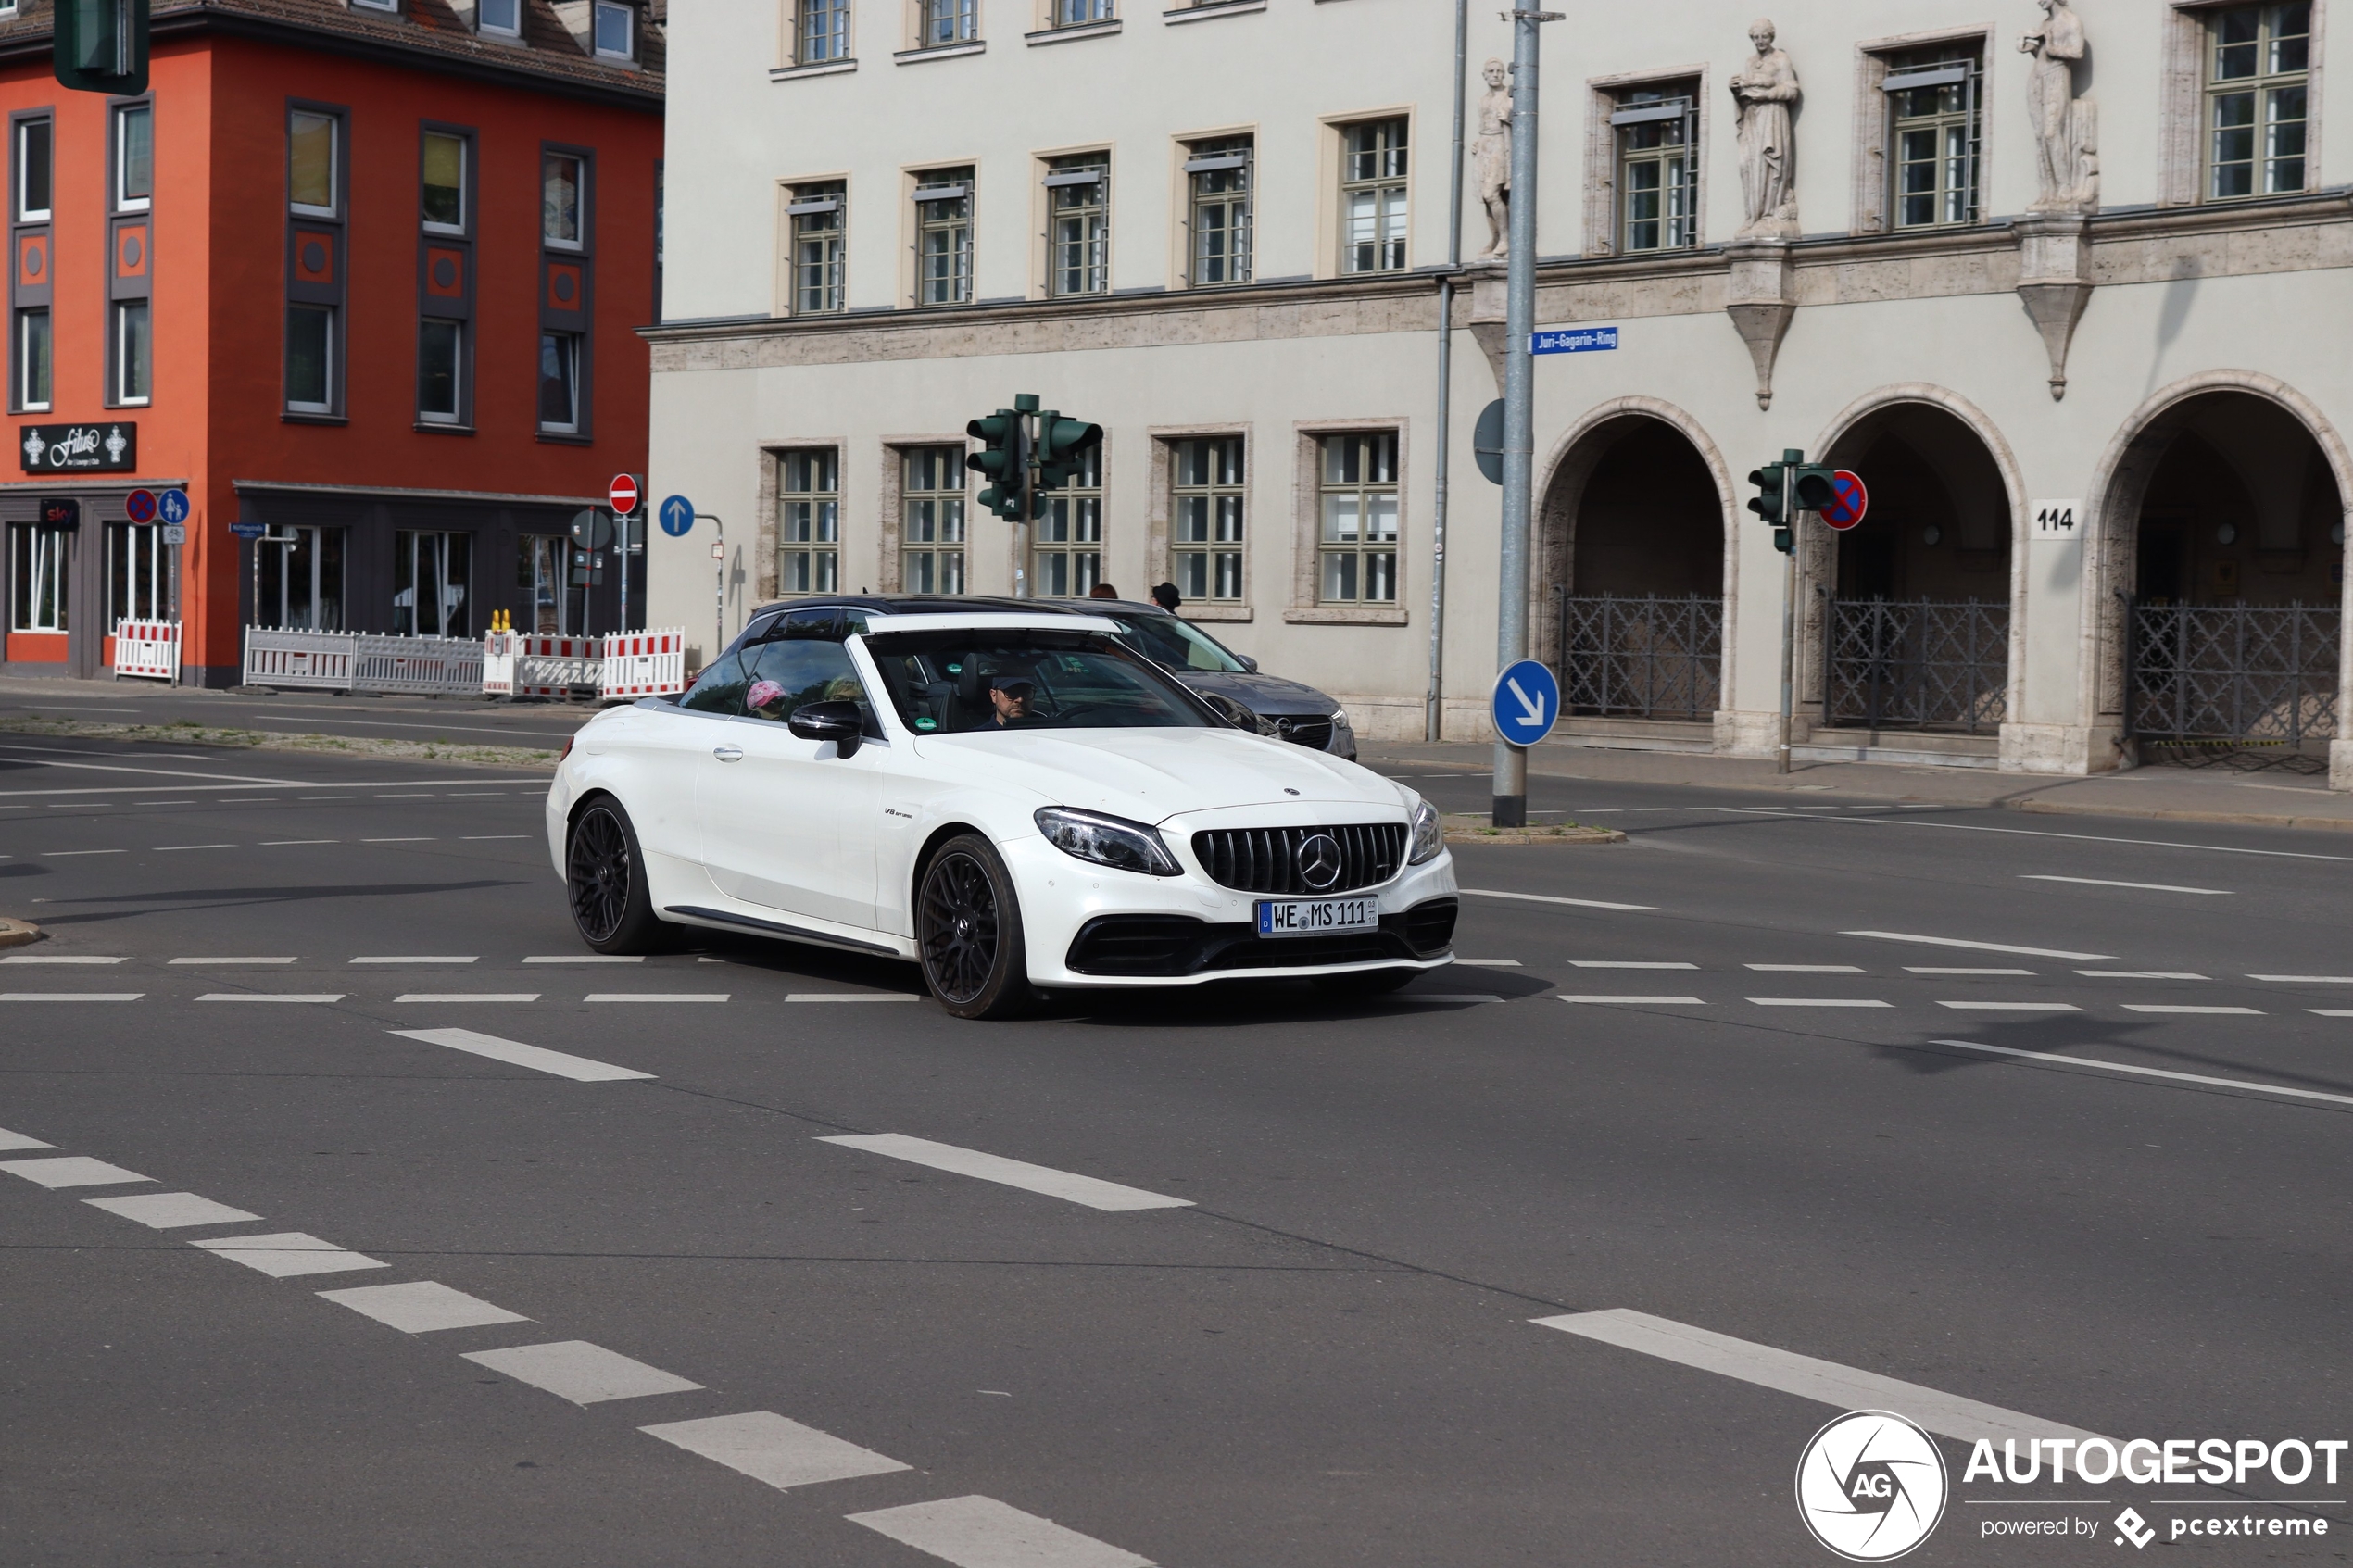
(567, 750)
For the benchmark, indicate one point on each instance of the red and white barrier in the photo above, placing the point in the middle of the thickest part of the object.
(149, 650)
(621, 667)
(643, 664)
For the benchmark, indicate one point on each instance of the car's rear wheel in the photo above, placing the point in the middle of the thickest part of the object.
(968, 930)
(605, 872)
(1365, 983)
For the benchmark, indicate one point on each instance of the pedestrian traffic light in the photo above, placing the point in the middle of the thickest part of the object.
(1062, 445)
(1003, 459)
(1815, 486)
(101, 45)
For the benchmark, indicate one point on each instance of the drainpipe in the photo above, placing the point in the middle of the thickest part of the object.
(1432, 714)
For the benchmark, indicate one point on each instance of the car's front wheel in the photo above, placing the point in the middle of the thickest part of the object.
(968, 928)
(605, 872)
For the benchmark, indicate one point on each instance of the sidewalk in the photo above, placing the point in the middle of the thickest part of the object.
(2165, 794)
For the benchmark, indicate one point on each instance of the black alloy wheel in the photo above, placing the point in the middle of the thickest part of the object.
(968, 928)
(603, 873)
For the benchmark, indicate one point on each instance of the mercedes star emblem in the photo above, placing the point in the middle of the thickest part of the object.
(1319, 862)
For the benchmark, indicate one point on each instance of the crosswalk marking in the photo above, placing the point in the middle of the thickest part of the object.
(768, 1446)
(70, 1171)
(516, 1054)
(288, 1254)
(978, 1532)
(19, 1140)
(171, 1211)
(421, 1306)
(1070, 1188)
(584, 1373)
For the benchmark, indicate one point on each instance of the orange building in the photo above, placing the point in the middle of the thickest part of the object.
(363, 279)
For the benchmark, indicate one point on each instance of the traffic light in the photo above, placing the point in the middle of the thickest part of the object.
(1061, 446)
(1004, 461)
(102, 46)
(1767, 504)
(1815, 486)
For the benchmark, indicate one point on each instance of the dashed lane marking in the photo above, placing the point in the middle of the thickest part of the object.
(1073, 1188)
(1977, 947)
(271, 996)
(1805, 968)
(1548, 899)
(1827, 1383)
(282, 842)
(1817, 1002)
(2061, 1061)
(2305, 979)
(1917, 968)
(768, 1446)
(1489, 963)
(487, 838)
(2140, 974)
(63, 854)
(19, 1140)
(171, 1211)
(657, 996)
(516, 1054)
(2159, 1007)
(422, 958)
(978, 1532)
(70, 1171)
(584, 1373)
(396, 841)
(2317, 1012)
(219, 962)
(2135, 887)
(839, 996)
(60, 957)
(163, 803)
(70, 995)
(288, 1254)
(2011, 1007)
(421, 1307)
(466, 996)
(1641, 1001)
(587, 957)
(1616, 963)
(170, 848)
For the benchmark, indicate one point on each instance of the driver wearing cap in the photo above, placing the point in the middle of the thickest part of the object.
(1008, 696)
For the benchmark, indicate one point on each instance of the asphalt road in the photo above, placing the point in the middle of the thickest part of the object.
(462, 720)
(2045, 1118)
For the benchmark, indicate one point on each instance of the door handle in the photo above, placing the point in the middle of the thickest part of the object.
(728, 753)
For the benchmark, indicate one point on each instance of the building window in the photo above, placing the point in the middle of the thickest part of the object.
(552, 574)
(430, 574)
(824, 33)
(34, 165)
(1078, 13)
(33, 364)
(559, 182)
(1078, 197)
(1657, 130)
(132, 361)
(298, 579)
(944, 245)
(37, 569)
(809, 524)
(498, 16)
(2256, 98)
(310, 348)
(1933, 137)
(1219, 215)
(1357, 544)
(948, 21)
(1068, 550)
(931, 530)
(817, 232)
(378, 5)
(138, 574)
(135, 158)
(443, 199)
(1372, 196)
(559, 382)
(616, 28)
(1205, 497)
(312, 164)
(440, 380)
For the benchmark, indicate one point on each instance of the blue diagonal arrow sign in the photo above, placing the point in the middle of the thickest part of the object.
(1526, 703)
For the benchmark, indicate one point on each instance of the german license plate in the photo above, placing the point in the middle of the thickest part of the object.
(1316, 917)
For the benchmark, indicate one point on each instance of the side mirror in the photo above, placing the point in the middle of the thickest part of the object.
(1248, 663)
(837, 721)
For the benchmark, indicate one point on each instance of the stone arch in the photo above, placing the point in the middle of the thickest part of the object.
(1563, 478)
(2113, 506)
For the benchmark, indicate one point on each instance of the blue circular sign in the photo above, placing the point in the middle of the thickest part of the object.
(677, 516)
(172, 507)
(1526, 703)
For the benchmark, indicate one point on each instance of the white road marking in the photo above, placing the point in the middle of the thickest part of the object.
(584, 1373)
(1445, 997)
(70, 1171)
(2136, 887)
(843, 996)
(163, 803)
(395, 841)
(2159, 1007)
(1614, 963)
(1641, 1001)
(978, 1532)
(466, 996)
(2140, 974)
(1489, 963)
(282, 842)
(2307, 979)
(2082, 838)
(588, 958)
(1087, 1191)
(271, 996)
(1809, 1378)
(447, 957)
(2147, 1072)
(1805, 968)
(2011, 1007)
(288, 1254)
(19, 1140)
(169, 1210)
(1916, 969)
(1977, 947)
(64, 854)
(219, 962)
(2318, 1013)
(769, 1448)
(1548, 899)
(516, 1054)
(487, 838)
(70, 995)
(659, 996)
(1816, 1002)
(422, 1307)
(59, 958)
(169, 848)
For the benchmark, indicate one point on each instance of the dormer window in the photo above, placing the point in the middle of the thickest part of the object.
(502, 18)
(616, 32)
(377, 5)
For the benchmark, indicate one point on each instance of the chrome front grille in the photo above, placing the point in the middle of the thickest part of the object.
(1267, 860)
(1316, 732)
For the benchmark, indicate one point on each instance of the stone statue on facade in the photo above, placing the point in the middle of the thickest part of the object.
(2066, 128)
(1491, 160)
(1767, 91)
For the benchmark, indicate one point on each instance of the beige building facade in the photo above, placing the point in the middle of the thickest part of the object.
(2066, 285)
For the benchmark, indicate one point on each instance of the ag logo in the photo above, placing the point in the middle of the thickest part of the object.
(1871, 1485)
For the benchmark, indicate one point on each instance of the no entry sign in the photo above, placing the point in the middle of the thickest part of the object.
(1847, 507)
(622, 493)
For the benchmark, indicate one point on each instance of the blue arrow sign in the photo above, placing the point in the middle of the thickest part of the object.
(172, 507)
(1526, 704)
(677, 516)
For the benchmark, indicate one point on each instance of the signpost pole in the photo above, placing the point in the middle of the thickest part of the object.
(719, 616)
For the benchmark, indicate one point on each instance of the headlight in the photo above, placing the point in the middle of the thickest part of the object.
(1107, 841)
(1429, 836)
(1339, 720)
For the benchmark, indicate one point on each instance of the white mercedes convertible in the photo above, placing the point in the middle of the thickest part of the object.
(1014, 800)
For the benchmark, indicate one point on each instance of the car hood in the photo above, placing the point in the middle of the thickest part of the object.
(1270, 694)
(1150, 775)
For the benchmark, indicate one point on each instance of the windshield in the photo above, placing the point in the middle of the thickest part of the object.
(1177, 643)
(957, 683)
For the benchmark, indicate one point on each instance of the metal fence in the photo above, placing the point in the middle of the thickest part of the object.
(1917, 664)
(2256, 674)
(353, 662)
(1648, 657)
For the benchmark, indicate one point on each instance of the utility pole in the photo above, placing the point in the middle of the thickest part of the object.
(1791, 458)
(718, 554)
(1433, 714)
(1519, 410)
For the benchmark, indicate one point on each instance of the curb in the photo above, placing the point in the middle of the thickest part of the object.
(445, 753)
(19, 932)
(2160, 814)
(1465, 830)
